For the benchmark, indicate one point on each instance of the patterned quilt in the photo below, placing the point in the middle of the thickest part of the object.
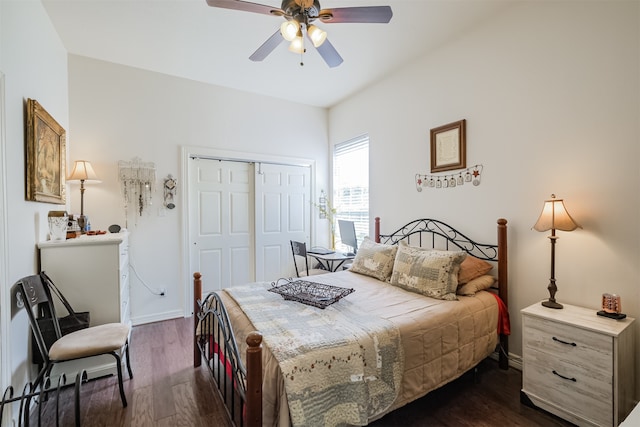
(340, 364)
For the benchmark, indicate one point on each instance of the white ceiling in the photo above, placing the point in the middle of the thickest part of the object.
(189, 39)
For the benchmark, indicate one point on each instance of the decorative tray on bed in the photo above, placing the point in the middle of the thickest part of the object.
(310, 293)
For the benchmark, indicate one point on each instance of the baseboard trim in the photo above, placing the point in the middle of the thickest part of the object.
(158, 317)
(515, 361)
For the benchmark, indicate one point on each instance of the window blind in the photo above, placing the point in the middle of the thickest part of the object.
(351, 184)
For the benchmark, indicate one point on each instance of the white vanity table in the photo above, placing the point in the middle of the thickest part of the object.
(93, 274)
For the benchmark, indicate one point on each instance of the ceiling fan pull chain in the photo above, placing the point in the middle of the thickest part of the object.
(303, 50)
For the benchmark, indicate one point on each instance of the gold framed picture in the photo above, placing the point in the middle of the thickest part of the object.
(449, 147)
(46, 154)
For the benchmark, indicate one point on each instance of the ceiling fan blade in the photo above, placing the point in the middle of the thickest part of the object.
(267, 47)
(366, 14)
(246, 6)
(329, 54)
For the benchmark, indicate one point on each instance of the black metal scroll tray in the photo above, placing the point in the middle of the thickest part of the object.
(310, 293)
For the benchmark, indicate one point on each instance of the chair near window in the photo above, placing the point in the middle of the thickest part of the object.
(301, 260)
(30, 293)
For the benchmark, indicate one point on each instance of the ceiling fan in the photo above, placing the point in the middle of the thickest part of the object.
(299, 17)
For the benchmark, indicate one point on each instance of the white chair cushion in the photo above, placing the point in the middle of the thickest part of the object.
(91, 341)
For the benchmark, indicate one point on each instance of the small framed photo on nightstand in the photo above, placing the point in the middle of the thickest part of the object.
(611, 307)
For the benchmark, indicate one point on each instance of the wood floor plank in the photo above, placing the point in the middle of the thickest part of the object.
(143, 407)
(104, 399)
(187, 413)
(162, 382)
(166, 422)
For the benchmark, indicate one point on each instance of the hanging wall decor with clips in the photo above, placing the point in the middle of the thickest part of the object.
(467, 176)
(137, 184)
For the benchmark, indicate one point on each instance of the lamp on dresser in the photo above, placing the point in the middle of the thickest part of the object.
(554, 217)
(82, 172)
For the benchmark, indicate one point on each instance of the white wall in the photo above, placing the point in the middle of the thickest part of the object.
(550, 92)
(34, 63)
(119, 112)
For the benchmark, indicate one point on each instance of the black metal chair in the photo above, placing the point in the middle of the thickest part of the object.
(31, 293)
(299, 250)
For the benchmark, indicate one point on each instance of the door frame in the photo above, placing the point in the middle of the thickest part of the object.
(187, 152)
(5, 297)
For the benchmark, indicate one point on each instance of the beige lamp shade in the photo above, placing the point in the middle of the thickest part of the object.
(554, 216)
(316, 35)
(297, 45)
(83, 171)
(289, 30)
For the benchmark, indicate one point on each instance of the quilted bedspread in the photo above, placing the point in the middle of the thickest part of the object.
(440, 340)
(341, 365)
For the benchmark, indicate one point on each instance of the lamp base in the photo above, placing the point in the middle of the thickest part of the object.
(551, 304)
(82, 223)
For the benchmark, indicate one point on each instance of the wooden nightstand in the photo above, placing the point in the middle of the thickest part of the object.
(578, 365)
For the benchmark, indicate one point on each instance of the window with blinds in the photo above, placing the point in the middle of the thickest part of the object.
(351, 185)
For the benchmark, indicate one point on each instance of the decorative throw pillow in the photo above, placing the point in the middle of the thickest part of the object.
(471, 268)
(476, 285)
(428, 272)
(374, 259)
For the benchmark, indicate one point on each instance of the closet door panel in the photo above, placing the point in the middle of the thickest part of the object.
(283, 195)
(221, 218)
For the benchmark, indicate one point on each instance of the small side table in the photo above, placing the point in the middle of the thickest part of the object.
(333, 261)
(578, 365)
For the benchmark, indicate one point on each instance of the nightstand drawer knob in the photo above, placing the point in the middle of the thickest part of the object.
(563, 377)
(564, 342)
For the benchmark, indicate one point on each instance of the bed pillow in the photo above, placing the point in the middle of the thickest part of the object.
(429, 272)
(476, 285)
(471, 268)
(374, 259)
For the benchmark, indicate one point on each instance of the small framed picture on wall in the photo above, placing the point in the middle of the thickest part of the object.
(449, 147)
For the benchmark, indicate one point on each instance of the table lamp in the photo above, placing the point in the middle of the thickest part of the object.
(554, 217)
(82, 172)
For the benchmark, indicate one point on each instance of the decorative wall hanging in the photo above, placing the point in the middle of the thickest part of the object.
(322, 205)
(46, 154)
(328, 212)
(137, 184)
(449, 147)
(470, 175)
(170, 185)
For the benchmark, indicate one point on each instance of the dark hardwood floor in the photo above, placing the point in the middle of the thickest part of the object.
(167, 391)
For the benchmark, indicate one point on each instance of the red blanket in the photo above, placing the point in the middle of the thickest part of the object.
(504, 326)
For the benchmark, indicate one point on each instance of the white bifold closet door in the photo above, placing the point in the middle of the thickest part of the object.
(283, 213)
(242, 217)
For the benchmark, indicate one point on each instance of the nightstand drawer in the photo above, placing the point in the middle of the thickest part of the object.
(570, 344)
(577, 389)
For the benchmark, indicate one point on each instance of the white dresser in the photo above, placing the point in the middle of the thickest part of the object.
(93, 274)
(578, 365)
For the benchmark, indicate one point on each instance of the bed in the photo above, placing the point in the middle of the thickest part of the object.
(397, 325)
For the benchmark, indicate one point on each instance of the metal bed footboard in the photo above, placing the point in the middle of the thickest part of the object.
(215, 343)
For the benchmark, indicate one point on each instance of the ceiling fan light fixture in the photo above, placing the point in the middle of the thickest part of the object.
(289, 30)
(297, 45)
(316, 35)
